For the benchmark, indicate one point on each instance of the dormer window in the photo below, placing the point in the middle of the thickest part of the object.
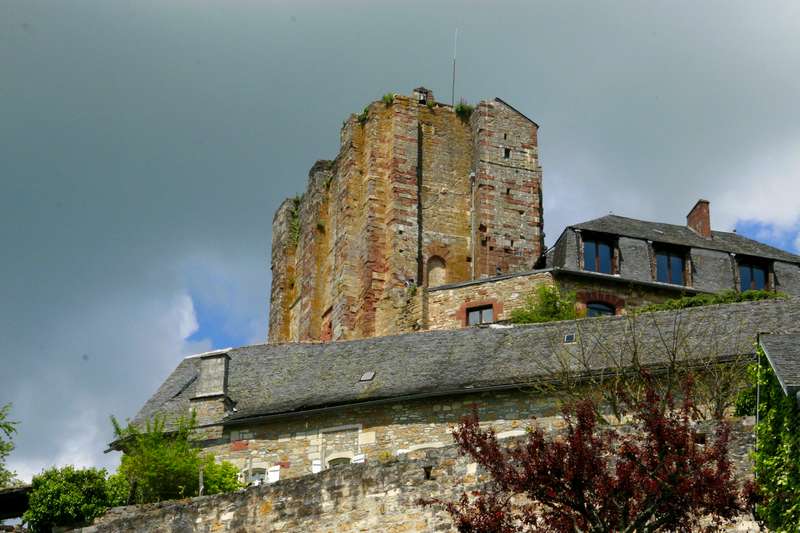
(670, 267)
(598, 255)
(753, 276)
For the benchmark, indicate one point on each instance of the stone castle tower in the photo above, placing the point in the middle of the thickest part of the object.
(421, 194)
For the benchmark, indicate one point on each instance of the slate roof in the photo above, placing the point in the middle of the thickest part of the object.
(682, 235)
(783, 352)
(286, 379)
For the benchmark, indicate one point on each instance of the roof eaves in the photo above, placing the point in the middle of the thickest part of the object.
(616, 278)
(789, 390)
(489, 280)
(655, 369)
(701, 243)
(520, 113)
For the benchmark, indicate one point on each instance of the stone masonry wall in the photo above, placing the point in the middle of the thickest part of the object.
(375, 497)
(399, 194)
(392, 428)
(618, 294)
(282, 265)
(447, 305)
(507, 201)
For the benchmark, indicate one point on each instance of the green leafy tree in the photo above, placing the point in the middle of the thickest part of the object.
(548, 304)
(66, 497)
(7, 429)
(164, 465)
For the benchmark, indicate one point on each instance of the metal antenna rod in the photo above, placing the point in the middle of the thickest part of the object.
(455, 50)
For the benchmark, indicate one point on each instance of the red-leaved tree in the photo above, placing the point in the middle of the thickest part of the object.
(659, 476)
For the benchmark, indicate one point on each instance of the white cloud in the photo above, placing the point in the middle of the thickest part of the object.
(766, 188)
(110, 364)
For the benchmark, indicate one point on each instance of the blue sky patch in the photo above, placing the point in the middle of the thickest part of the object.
(783, 238)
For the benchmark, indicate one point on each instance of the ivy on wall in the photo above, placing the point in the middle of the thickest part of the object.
(294, 221)
(777, 456)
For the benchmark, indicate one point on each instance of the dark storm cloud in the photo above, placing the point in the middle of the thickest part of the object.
(144, 146)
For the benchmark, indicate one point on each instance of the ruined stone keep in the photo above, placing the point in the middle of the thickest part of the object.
(431, 218)
(421, 194)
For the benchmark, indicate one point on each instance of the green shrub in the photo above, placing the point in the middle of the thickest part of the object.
(547, 305)
(429, 103)
(388, 99)
(362, 118)
(165, 465)
(66, 497)
(118, 489)
(777, 468)
(464, 110)
(726, 297)
(219, 477)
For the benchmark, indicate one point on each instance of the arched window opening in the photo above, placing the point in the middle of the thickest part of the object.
(600, 309)
(338, 461)
(437, 271)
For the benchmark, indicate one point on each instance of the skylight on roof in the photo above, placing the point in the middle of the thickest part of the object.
(367, 376)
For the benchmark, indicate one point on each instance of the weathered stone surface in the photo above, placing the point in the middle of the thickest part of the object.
(634, 259)
(447, 305)
(413, 185)
(375, 497)
(787, 278)
(712, 270)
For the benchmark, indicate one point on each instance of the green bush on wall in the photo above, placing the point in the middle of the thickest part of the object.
(464, 110)
(699, 300)
(548, 304)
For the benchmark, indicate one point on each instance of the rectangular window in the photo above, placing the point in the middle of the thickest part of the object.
(506, 153)
(670, 268)
(752, 277)
(480, 315)
(597, 256)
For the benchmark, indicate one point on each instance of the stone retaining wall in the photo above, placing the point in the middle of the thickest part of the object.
(374, 497)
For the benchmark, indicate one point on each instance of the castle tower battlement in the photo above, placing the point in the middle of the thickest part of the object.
(421, 194)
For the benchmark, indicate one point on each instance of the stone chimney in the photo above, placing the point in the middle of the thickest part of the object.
(423, 95)
(699, 219)
(210, 401)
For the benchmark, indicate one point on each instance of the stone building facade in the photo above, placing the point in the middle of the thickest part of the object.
(420, 194)
(652, 260)
(431, 217)
(286, 410)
